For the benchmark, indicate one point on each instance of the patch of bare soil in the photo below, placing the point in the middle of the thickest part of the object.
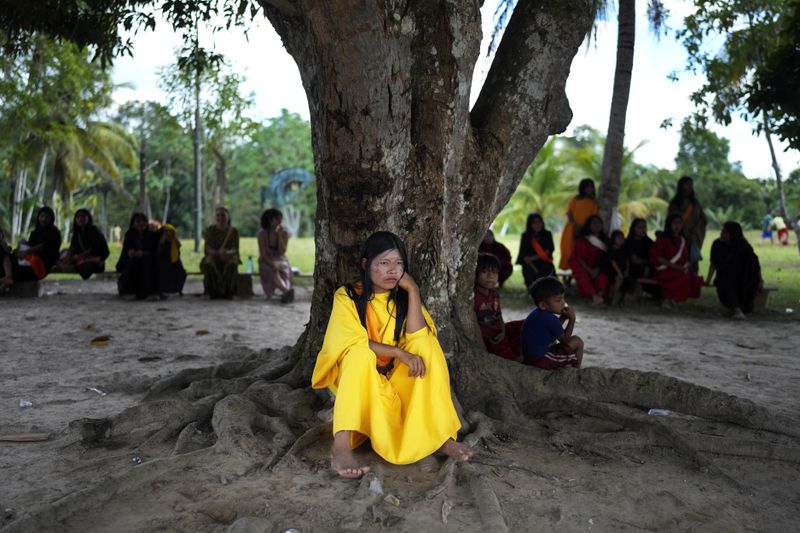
(248, 454)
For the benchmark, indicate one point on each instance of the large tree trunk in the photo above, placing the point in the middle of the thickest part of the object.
(396, 146)
(220, 186)
(615, 138)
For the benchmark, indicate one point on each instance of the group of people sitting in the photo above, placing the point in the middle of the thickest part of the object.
(608, 267)
(41, 253)
(149, 264)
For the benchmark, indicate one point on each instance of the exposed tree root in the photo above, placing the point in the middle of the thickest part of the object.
(264, 365)
(483, 430)
(651, 389)
(488, 504)
(233, 422)
(305, 440)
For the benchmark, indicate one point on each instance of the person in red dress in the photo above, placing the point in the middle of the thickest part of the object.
(501, 338)
(587, 254)
(670, 255)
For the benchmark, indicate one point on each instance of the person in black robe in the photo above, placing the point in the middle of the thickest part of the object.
(171, 274)
(42, 246)
(137, 260)
(536, 263)
(637, 248)
(615, 265)
(6, 255)
(738, 271)
(88, 249)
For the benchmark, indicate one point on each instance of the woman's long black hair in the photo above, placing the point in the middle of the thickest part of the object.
(632, 230)
(86, 212)
(668, 225)
(531, 218)
(586, 229)
(585, 182)
(679, 190)
(378, 243)
(268, 216)
(134, 216)
(49, 211)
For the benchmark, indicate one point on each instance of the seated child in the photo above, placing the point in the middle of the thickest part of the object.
(615, 266)
(500, 338)
(543, 326)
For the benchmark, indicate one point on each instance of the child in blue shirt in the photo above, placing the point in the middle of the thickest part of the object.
(543, 327)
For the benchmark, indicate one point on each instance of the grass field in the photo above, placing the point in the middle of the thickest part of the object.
(780, 266)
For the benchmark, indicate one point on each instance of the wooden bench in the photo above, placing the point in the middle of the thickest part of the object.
(26, 289)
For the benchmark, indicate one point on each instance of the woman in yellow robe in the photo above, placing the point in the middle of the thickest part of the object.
(382, 360)
(579, 209)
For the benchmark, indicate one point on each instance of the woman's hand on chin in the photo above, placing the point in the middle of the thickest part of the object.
(407, 283)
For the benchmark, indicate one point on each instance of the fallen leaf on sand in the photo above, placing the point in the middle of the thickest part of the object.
(201, 332)
(102, 340)
(91, 325)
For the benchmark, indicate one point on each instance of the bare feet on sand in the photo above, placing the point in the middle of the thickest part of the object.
(343, 461)
(457, 450)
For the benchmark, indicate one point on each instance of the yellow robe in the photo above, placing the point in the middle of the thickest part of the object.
(580, 209)
(405, 418)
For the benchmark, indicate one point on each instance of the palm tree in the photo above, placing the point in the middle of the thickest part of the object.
(608, 196)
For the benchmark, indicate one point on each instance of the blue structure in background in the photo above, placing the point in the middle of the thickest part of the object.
(284, 186)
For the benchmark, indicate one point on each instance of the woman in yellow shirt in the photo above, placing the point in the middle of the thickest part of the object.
(382, 360)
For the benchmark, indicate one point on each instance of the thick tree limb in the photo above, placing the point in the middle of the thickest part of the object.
(523, 101)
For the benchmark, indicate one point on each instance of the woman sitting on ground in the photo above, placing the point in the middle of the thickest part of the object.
(37, 256)
(382, 360)
(670, 255)
(490, 245)
(170, 272)
(586, 258)
(535, 250)
(637, 247)
(88, 249)
(738, 271)
(136, 263)
(221, 261)
(274, 268)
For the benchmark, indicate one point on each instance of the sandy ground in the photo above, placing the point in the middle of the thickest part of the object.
(49, 360)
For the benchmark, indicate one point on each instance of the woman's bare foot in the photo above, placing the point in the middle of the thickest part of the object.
(343, 461)
(457, 450)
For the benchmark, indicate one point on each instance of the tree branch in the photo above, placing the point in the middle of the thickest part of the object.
(523, 101)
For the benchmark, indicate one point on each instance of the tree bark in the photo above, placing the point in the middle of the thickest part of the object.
(38, 190)
(611, 172)
(220, 179)
(396, 146)
(776, 168)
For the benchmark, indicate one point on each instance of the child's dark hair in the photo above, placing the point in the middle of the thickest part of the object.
(487, 262)
(614, 234)
(376, 244)
(544, 288)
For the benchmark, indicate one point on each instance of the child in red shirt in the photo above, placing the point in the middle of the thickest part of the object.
(499, 337)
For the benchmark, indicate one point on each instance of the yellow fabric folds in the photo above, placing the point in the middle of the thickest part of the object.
(174, 250)
(405, 418)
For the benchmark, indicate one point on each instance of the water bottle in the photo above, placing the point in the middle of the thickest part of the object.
(249, 264)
